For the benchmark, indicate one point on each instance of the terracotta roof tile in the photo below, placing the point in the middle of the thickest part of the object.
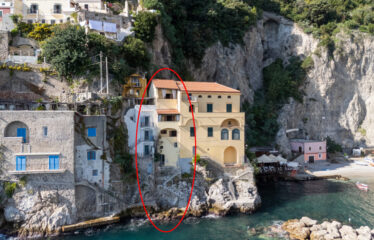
(167, 111)
(194, 86)
(168, 84)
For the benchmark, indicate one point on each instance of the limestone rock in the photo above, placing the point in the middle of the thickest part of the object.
(308, 221)
(348, 233)
(13, 214)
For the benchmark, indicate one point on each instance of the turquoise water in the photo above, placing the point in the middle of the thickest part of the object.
(321, 200)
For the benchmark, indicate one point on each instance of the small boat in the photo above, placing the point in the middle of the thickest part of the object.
(362, 186)
(361, 163)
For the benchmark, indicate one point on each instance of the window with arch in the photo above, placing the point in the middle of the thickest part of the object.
(236, 134)
(224, 134)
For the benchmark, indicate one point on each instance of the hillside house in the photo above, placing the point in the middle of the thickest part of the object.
(218, 120)
(134, 86)
(313, 150)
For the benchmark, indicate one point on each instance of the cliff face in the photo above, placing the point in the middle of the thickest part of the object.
(337, 99)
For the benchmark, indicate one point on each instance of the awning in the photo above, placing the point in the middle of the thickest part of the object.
(167, 111)
(265, 159)
(95, 25)
(110, 27)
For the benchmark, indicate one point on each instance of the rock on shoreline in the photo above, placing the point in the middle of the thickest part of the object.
(307, 228)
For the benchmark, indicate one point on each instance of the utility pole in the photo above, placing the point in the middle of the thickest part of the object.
(101, 71)
(107, 75)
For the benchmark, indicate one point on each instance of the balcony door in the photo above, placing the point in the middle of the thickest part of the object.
(20, 163)
(21, 132)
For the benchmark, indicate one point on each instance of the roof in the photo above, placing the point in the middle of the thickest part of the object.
(168, 84)
(167, 111)
(194, 86)
(305, 140)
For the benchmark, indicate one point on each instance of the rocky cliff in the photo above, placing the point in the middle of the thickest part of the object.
(337, 99)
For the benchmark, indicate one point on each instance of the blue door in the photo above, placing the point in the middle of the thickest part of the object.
(20, 163)
(21, 132)
(54, 162)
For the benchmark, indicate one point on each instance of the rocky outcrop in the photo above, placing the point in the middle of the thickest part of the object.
(307, 228)
(218, 193)
(38, 213)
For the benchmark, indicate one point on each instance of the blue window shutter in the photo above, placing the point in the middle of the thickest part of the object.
(21, 132)
(93, 155)
(50, 163)
(20, 163)
(91, 132)
(23, 163)
(57, 162)
(88, 155)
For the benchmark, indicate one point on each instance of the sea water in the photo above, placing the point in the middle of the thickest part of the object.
(320, 200)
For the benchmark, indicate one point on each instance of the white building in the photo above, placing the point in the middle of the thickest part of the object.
(91, 5)
(147, 129)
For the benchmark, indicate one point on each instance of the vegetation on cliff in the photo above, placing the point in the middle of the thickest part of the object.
(281, 82)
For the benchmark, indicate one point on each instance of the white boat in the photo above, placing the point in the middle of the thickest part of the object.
(361, 163)
(362, 186)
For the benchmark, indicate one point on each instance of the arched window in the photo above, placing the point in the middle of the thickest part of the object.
(236, 134)
(224, 134)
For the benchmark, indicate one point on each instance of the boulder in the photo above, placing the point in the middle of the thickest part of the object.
(60, 217)
(364, 233)
(296, 229)
(308, 221)
(13, 214)
(348, 233)
(318, 235)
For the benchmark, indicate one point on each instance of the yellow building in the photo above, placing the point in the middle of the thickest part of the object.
(134, 86)
(218, 120)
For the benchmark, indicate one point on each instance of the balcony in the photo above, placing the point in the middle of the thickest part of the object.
(146, 139)
(146, 124)
(33, 168)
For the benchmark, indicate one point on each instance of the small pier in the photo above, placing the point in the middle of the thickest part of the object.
(90, 223)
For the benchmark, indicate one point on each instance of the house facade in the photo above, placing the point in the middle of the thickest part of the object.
(147, 130)
(46, 11)
(218, 121)
(312, 150)
(134, 86)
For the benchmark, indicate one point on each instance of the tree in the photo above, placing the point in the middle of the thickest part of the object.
(66, 50)
(40, 32)
(144, 26)
(136, 53)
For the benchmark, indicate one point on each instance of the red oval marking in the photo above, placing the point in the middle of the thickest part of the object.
(136, 151)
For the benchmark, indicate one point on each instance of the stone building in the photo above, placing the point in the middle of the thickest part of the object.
(60, 152)
(313, 150)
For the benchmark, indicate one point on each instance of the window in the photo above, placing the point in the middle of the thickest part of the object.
(162, 159)
(29, 21)
(175, 144)
(95, 172)
(173, 133)
(86, 6)
(61, 21)
(146, 150)
(54, 162)
(228, 97)
(1, 13)
(310, 148)
(210, 132)
(319, 155)
(192, 132)
(53, 22)
(168, 96)
(193, 108)
(147, 135)
(219, 96)
(161, 147)
(57, 8)
(91, 132)
(200, 96)
(224, 134)
(320, 148)
(91, 155)
(45, 131)
(20, 163)
(163, 131)
(229, 107)
(43, 20)
(209, 107)
(236, 134)
(34, 8)
(21, 132)
(209, 96)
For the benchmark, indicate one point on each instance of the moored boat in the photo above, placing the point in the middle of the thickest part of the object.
(362, 186)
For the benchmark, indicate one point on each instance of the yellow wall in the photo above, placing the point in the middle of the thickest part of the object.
(212, 147)
(137, 91)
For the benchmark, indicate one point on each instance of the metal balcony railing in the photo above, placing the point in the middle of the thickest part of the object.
(148, 124)
(146, 139)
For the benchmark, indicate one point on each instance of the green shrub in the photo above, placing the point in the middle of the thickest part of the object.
(332, 146)
(144, 26)
(308, 63)
(10, 188)
(136, 53)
